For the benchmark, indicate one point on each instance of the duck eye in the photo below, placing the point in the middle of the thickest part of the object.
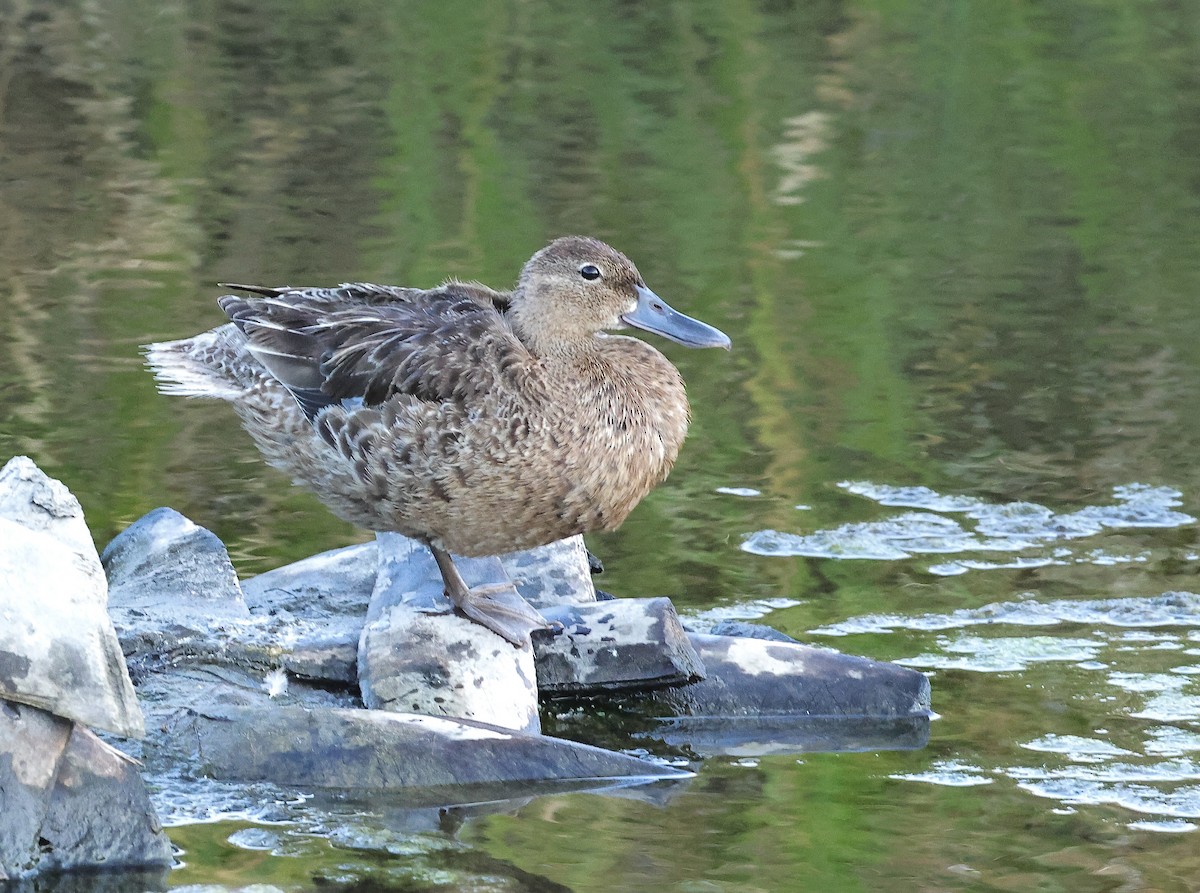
(589, 271)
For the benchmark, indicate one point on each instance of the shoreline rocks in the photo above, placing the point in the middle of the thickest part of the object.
(385, 752)
(347, 671)
(68, 800)
(58, 649)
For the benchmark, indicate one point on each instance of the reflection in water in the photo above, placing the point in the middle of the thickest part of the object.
(804, 136)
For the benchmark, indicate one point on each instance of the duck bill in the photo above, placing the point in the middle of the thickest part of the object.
(653, 314)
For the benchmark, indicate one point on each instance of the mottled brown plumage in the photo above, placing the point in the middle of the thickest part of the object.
(478, 421)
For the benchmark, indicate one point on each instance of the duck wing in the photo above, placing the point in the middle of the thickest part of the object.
(369, 293)
(363, 342)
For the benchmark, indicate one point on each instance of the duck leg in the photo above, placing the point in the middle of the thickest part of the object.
(497, 606)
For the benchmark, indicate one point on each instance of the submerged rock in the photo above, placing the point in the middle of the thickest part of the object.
(629, 643)
(58, 649)
(69, 800)
(748, 630)
(747, 736)
(381, 751)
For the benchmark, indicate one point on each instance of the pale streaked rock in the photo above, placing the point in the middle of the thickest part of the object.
(58, 649)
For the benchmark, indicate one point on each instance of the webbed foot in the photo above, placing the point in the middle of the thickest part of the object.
(496, 606)
(500, 608)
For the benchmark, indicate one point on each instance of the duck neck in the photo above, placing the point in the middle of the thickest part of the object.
(542, 336)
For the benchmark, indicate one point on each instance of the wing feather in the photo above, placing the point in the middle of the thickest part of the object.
(370, 342)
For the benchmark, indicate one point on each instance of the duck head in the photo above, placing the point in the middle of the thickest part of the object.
(576, 287)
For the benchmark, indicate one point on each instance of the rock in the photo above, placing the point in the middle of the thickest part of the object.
(31, 742)
(325, 657)
(174, 596)
(555, 574)
(747, 630)
(759, 678)
(380, 752)
(40, 503)
(417, 657)
(762, 697)
(211, 686)
(595, 565)
(100, 813)
(58, 649)
(332, 584)
(628, 643)
(165, 567)
(70, 801)
(324, 599)
(321, 604)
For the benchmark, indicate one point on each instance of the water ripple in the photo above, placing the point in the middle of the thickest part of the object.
(1078, 749)
(1168, 609)
(1181, 802)
(1005, 527)
(948, 773)
(1003, 655)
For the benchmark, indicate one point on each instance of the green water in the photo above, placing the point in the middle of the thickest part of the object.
(955, 245)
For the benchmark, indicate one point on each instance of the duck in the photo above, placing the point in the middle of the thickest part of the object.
(476, 421)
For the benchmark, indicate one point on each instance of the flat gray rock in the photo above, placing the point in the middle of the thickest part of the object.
(617, 645)
(70, 800)
(761, 678)
(331, 584)
(380, 751)
(329, 656)
(58, 649)
(416, 656)
(319, 605)
(212, 686)
(340, 582)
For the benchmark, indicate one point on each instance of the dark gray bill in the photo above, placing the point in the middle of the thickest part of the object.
(654, 315)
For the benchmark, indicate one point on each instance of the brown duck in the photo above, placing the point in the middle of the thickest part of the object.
(477, 421)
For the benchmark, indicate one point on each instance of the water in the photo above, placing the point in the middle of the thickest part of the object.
(954, 245)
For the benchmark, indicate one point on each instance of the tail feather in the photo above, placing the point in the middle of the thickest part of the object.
(212, 364)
